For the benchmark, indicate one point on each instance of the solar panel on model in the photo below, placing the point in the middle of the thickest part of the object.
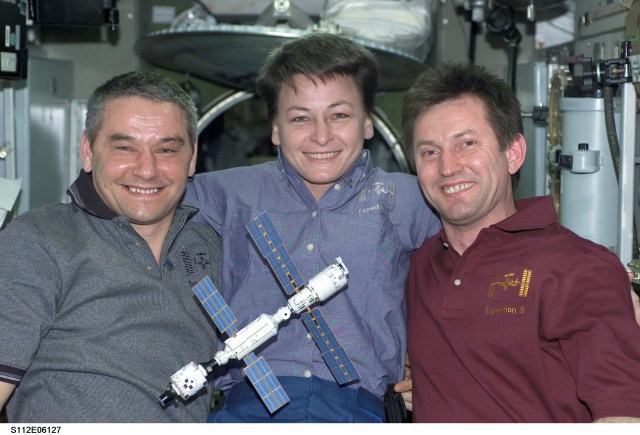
(257, 370)
(265, 382)
(216, 306)
(272, 248)
(334, 355)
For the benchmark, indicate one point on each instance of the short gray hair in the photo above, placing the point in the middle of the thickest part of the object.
(144, 84)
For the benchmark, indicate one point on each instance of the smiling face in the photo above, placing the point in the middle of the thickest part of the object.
(140, 160)
(321, 129)
(460, 166)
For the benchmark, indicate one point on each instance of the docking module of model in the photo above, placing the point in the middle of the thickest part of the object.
(241, 343)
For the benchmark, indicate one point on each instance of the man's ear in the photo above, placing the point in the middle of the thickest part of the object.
(194, 158)
(85, 153)
(516, 154)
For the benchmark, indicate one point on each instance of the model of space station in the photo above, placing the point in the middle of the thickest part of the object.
(241, 343)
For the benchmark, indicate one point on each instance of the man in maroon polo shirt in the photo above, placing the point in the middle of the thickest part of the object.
(512, 317)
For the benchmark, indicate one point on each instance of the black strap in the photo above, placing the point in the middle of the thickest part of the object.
(394, 407)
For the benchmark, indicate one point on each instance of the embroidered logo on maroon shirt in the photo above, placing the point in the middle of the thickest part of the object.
(508, 282)
(505, 290)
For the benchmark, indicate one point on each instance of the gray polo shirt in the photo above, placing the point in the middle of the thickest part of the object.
(91, 328)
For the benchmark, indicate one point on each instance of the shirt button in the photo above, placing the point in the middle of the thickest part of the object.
(148, 267)
(310, 247)
(457, 282)
(446, 245)
(307, 373)
(314, 214)
(337, 187)
(309, 336)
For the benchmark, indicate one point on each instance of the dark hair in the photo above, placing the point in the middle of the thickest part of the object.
(318, 55)
(450, 81)
(143, 84)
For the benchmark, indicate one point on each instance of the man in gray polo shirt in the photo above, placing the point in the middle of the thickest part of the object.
(96, 307)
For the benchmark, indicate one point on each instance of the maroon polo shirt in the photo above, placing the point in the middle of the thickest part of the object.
(531, 324)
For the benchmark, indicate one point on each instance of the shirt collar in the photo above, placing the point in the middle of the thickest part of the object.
(532, 214)
(83, 193)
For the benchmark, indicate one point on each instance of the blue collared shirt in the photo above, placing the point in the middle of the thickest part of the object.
(373, 220)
